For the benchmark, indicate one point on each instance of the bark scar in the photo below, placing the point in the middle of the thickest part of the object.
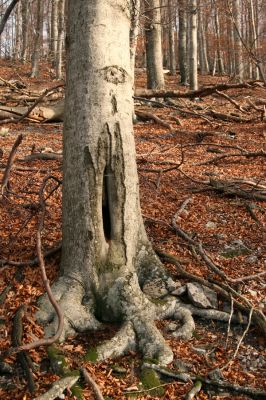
(115, 74)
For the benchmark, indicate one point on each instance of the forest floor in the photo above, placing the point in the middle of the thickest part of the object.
(226, 213)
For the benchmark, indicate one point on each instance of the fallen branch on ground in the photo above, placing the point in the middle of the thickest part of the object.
(23, 358)
(250, 154)
(31, 262)
(88, 378)
(223, 290)
(59, 313)
(58, 388)
(143, 115)
(10, 161)
(203, 92)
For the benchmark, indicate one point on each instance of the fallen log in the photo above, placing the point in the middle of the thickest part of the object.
(40, 114)
(203, 92)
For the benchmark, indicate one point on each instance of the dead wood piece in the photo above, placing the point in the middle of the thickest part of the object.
(10, 161)
(225, 291)
(43, 113)
(44, 94)
(148, 116)
(254, 393)
(7, 112)
(59, 313)
(231, 189)
(23, 358)
(88, 378)
(250, 154)
(228, 364)
(228, 117)
(225, 96)
(194, 391)
(203, 92)
(184, 377)
(31, 262)
(58, 388)
(41, 156)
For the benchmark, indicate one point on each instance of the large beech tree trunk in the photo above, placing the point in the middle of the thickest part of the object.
(106, 256)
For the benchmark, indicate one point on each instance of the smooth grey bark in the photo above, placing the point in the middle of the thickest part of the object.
(109, 271)
(134, 31)
(239, 66)
(220, 61)
(37, 40)
(231, 51)
(24, 16)
(54, 30)
(182, 42)
(253, 37)
(60, 39)
(203, 59)
(171, 36)
(18, 32)
(155, 77)
(106, 256)
(193, 46)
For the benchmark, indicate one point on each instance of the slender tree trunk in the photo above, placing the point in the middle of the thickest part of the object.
(171, 34)
(54, 31)
(231, 49)
(220, 61)
(182, 36)
(253, 38)
(155, 77)
(37, 40)
(203, 59)
(7, 14)
(239, 66)
(193, 48)
(134, 31)
(18, 28)
(25, 22)
(60, 39)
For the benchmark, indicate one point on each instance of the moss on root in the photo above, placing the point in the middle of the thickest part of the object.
(60, 367)
(91, 355)
(150, 380)
(76, 391)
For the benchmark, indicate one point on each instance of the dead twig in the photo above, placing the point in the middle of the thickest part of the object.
(194, 391)
(44, 94)
(223, 290)
(225, 96)
(230, 319)
(58, 388)
(88, 378)
(53, 339)
(228, 364)
(31, 262)
(261, 153)
(10, 161)
(144, 115)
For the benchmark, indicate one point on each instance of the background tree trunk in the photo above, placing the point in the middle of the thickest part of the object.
(24, 15)
(60, 38)
(182, 36)
(155, 77)
(239, 67)
(193, 47)
(54, 31)
(171, 35)
(37, 40)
